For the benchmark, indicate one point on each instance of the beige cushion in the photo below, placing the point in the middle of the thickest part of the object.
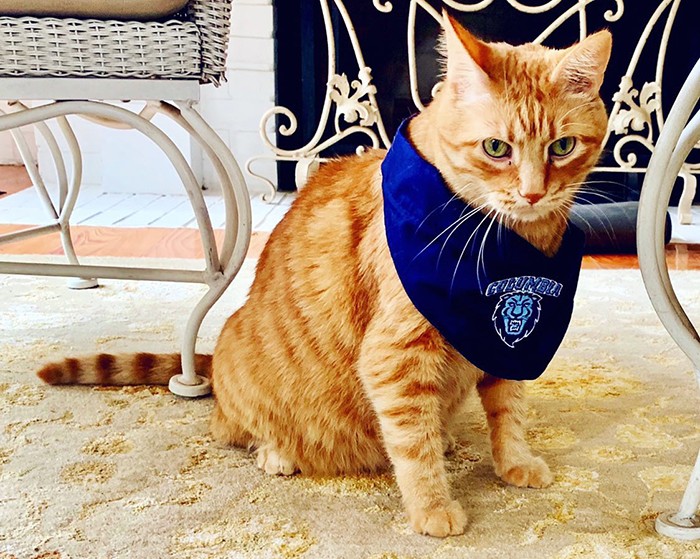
(97, 9)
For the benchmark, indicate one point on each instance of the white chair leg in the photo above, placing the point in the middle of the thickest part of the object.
(236, 239)
(64, 193)
(676, 140)
(235, 245)
(684, 524)
(236, 199)
(219, 271)
(189, 384)
(68, 201)
(67, 243)
(685, 204)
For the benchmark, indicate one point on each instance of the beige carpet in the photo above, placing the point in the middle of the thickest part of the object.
(112, 473)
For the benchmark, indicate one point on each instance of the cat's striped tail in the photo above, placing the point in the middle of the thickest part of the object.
(120, 369)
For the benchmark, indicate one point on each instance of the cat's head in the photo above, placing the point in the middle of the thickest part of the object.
(518, 128)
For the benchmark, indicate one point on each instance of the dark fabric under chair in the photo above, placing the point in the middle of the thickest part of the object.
(611, 228)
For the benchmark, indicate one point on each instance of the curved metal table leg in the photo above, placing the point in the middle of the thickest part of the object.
(235, 231)
(690, 186)
(236, 239)
(675, 143)
(68, 204)
(64, 192)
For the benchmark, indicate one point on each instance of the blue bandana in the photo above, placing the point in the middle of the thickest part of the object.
(494, 297)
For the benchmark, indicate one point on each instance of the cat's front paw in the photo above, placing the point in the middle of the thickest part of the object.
(534, 473)
(450, 520)
(272, 462)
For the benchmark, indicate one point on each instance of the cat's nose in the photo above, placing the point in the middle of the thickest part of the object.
(532, 197)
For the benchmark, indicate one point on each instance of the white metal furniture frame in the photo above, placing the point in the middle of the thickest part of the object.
(351, 105)
(97, 61)
(678, 138)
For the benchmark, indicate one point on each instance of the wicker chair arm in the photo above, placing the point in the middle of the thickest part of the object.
(213, 19)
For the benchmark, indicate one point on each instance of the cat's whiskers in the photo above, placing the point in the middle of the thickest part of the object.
(480, 255)
(587, 182)
(596, 192)
(466, 245)
(590, 227)
(563, 193)
(454, 197)
(512, 221)
(461, 189)
(520, 213)
(454, 225)
(499, 217)
(441, 208)
(593, 192)
(564, 215)
(584, 187)
(602, 217)
(444, 244)
(508, 210)
(565, 207)
(471, 202)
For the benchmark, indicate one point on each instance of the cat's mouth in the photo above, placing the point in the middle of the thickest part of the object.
(525, 212)
(535, 211)
(510, 209)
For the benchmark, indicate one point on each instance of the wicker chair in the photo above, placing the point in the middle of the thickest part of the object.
(80, 64)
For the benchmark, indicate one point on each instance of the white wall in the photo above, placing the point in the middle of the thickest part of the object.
(234, 109)
(119, 160)
(9, 154)
(125, 161)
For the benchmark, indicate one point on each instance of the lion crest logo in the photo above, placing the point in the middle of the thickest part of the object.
(516, 315)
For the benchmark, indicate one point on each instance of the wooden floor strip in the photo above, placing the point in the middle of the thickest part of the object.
(13, 178)
(125, 242)
(185, 243)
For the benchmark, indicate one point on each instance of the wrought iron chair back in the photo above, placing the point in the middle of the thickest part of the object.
(350, 106)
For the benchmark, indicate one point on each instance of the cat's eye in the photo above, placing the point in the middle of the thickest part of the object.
(496, 148)
(562, 146)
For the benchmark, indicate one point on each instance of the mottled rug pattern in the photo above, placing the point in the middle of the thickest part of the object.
(132, 472)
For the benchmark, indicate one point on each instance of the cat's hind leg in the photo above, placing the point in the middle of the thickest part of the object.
(503, 401)
(227, 432)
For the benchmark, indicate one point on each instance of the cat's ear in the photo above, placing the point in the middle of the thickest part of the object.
(582, 69)
(468, 59)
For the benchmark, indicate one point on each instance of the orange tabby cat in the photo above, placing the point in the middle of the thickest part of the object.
(328, 368)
